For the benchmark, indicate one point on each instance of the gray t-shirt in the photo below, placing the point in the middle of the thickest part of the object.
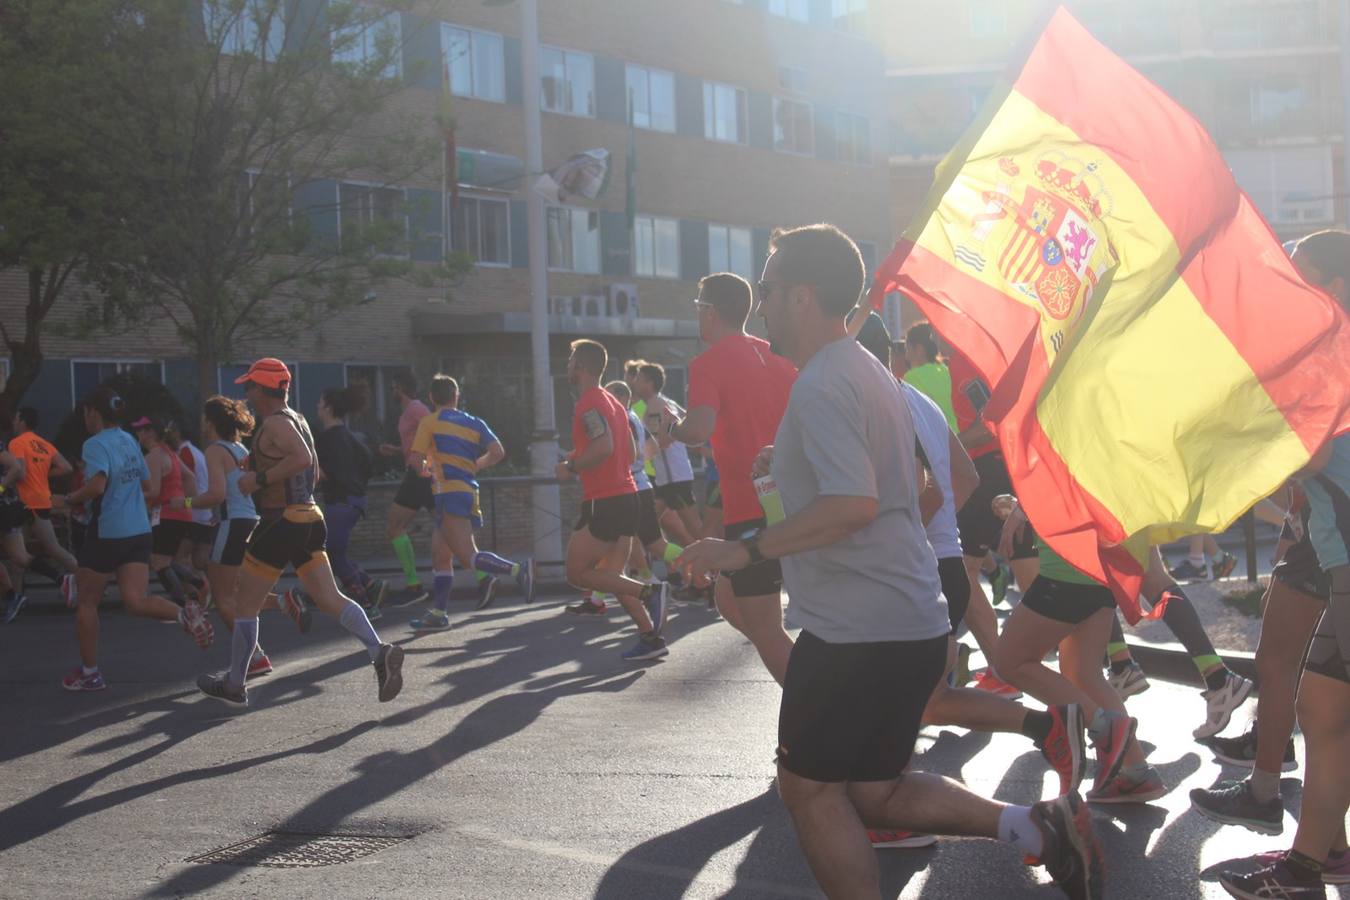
(848, 432)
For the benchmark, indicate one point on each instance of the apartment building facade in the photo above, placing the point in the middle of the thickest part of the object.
(745, 116)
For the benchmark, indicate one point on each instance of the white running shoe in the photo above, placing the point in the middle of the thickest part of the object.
(1220, 704)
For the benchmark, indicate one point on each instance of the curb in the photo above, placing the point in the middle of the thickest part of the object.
(1171, 662)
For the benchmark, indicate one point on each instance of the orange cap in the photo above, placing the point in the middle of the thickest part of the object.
(267, 372)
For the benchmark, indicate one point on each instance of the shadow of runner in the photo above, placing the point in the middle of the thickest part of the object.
(382, 775)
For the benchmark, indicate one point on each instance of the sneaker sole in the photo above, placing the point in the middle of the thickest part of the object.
(1250, 825)
(228, 701)
(393, 674)
(653, 654)
(1140, 797)
(81, 689)
(1205, 731)
(486, 600)
(1079, 818)
(1133, 689)
(419, 627)
(1248, 763)
(11, 615)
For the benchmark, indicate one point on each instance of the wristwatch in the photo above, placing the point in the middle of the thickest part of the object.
(751, 545)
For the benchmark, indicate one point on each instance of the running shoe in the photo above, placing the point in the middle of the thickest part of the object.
(1111, 748)
(1072, 853)
(657, 605)
(1273, 882)
(259, 665)
(1220, 703)
(960, 676)
(1232, 803)
(218, 687)
(988, 681)
(16, 603)
(389, 671)
(68, 590)
(76, 680)
(1189, 571)
(293, 603)
(431, 620)
(487, 592)
(653, 647)
(1125, 788)
(1129, 682)
(907, 840)
(999, 580)
(1224, 565)
(1065, 748)
(195, 623)
(1336, 870)
(372, 598)
(525, 579)
(203, 594)
(405, 596)
(1241, 750)
(587, 607)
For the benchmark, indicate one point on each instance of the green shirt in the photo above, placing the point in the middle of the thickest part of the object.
(934, 381)
(1056, 568)
(639, 408)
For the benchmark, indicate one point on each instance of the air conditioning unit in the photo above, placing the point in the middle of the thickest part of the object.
(593, 305)
(622, 301)
(560, 306)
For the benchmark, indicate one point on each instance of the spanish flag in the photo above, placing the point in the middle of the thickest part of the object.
(1157, 363)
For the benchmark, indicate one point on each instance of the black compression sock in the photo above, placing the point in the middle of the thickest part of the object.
(1119, 666)
(1036, 725)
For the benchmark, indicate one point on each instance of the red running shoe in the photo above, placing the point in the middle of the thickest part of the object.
(988, 681)
(259, 665)
(1066, 746)
(1111, 749)
(902, 839)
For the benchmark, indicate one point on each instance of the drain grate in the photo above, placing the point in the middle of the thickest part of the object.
(290, 850)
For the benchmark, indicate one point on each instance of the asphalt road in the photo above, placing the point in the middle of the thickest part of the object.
(524, 758)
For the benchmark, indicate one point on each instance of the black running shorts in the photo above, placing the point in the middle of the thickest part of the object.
(231, 540)
(763, 579)
(676, 495)
(414, 492)
(13, 516)
(648, 526)
(1299, 569)
(980, 528)
(851, 712)
(106, 555)
(1325, 654)
(1065, 601)
(610, 518)
(169, 535)
(956, 588)
(296, 537)
(201, 533)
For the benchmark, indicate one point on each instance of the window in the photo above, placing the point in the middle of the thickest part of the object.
(792, 129)
(724, 113)
(988, 18)
(227, 373)
(370, 41)
(792, 78)
(656, 247)
(376, 212)
(567, 81)
(257, 27)
(796, 10)
(1290, 185)
(729, 251)
(379, 420)
(852, 138)
(87, 374)
(264, 202)
(475, 62)
(1271, 103)
(652, 95)
(573, 240)
(482, 228)
(849, 15)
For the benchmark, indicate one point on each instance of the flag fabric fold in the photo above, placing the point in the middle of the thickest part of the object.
(1157, 363)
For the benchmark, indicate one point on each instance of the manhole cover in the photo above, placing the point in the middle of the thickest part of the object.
(288, 850)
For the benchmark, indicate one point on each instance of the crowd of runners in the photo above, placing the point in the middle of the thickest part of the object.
(852, 471)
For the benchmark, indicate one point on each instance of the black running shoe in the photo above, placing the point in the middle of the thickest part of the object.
(389, 671)
(1233, 803)
(487, 592)
(1241, 750)
(1072, 853)
(218, 687)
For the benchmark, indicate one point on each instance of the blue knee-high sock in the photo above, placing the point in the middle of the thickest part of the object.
(242, 644)
(355, 620)
(441, 584)
(491, 562)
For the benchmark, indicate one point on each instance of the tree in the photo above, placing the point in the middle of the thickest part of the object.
(260, 129)
(60, 196)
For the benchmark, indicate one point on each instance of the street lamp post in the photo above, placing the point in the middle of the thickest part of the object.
(544, 442)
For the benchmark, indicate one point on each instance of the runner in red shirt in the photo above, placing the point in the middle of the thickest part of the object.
(602, 457)
(738, 390)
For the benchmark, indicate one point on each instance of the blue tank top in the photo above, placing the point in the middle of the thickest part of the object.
(236, 505)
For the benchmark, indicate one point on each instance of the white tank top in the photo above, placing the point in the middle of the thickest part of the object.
(934, 434)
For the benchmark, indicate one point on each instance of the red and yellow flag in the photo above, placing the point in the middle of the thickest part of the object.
(1157, 363)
